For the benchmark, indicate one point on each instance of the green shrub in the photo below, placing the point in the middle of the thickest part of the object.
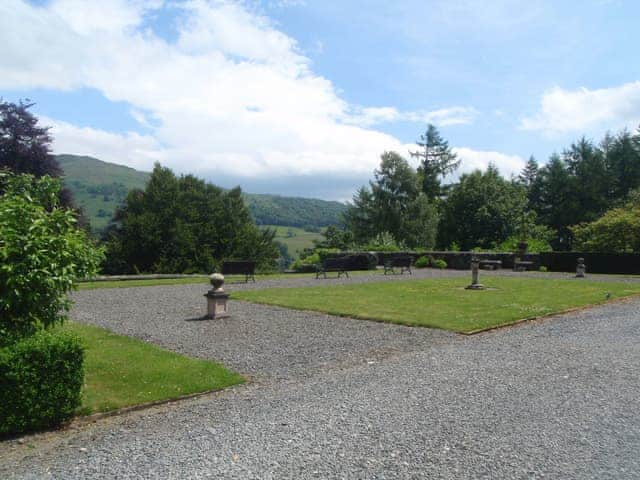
(441, 264)
(422, 262)
(307, 264)
(41, 253)
(543, 268)
(40, 381)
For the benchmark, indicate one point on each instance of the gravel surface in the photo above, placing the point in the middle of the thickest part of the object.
(258, 341)
(548, 399)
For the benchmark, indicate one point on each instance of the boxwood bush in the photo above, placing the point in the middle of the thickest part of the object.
(422, 262)
(40, 381)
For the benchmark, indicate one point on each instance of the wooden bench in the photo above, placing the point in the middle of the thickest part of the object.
(338, 264)
(240, 267)
(491, 264)
(403, 263)
(522, 265)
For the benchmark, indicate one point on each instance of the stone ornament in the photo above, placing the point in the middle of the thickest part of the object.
(581, 269)
(217, 299)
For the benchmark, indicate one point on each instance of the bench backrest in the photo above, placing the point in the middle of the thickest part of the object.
(243, 267)
(336, 262)
(401, 261)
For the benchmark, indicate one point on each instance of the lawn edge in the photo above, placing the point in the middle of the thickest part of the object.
(547, 316)
(459, 332)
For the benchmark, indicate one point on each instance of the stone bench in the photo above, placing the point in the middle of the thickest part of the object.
(491, 264)
(240, 267)
(403, 263)
(339, 264)
(522, 265)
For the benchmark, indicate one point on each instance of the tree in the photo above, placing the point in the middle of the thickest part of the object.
(392, 204)
(182, 225)
(552, 196)
(482, 210)
(622, 157)
(529, 173)
(436, 161)
(42, 253)
(618, 231)
(25, 147)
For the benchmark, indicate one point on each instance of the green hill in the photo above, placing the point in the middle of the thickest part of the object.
(100, 187)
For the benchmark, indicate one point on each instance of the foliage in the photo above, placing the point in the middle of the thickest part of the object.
(443, 303)
(335, 237)
(383, 242)
(25, 147)
(482, 210)
(307, 213)
(543, 268)
(393, 203)
(584, 182)
(534, 245)
(438, 263)
(537, 237)
(116, 366)
(436, 161)
(307, 264)
(98, 185)
(40, 381)
(422, 262)
(617, 231)
(184, 225)
(42, 252)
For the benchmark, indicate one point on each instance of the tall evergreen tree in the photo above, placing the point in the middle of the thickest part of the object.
(436, 161)
(529, 173)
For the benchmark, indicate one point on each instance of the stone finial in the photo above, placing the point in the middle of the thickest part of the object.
(216, 298)
(581, 269)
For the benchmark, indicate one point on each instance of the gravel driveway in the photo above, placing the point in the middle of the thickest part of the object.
(339, 398)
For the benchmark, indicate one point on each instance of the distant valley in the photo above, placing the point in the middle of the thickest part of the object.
(100, 187)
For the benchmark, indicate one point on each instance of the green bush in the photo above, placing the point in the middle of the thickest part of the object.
(307, 264)
(441, 264)
(543, 268)
(422, 262)
(41, 253)
(40, 381)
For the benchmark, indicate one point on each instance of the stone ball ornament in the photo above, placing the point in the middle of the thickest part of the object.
(217, 280)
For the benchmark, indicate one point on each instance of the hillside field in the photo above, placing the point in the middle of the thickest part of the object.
(296, 239)
(100, 187)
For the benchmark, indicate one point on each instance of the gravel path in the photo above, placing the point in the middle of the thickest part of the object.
(258, 341)
(549, 399)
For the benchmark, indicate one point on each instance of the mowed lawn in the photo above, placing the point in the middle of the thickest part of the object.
(444, 303)
(121, 371)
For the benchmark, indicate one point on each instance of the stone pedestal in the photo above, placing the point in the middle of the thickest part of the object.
(581, 269)
(217, 298)
(475, 268)
(217, 304)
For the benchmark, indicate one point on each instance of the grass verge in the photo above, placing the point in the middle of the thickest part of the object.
(444, 303)
(121, 372)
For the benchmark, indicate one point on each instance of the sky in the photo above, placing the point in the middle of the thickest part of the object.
(301, 97)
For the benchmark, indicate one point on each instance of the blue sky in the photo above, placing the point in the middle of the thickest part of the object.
(301, 97)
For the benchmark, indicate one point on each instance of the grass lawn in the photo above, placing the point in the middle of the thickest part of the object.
(444, 303)
(121, 371)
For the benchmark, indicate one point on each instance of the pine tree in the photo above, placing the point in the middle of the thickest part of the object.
(529, 173)
(436, 160)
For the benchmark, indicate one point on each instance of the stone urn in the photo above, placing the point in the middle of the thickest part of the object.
(217, 280)
(217, 306)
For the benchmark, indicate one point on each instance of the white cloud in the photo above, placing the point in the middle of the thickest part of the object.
(477, 159)
(231, 96)
(369, 116)
(583, 110)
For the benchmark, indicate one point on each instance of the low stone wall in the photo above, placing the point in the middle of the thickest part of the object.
(462, 260)
(621, 263)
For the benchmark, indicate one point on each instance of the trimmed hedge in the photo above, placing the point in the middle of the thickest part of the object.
(40, 381)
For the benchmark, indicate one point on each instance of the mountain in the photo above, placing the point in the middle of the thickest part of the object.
(100, 187)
